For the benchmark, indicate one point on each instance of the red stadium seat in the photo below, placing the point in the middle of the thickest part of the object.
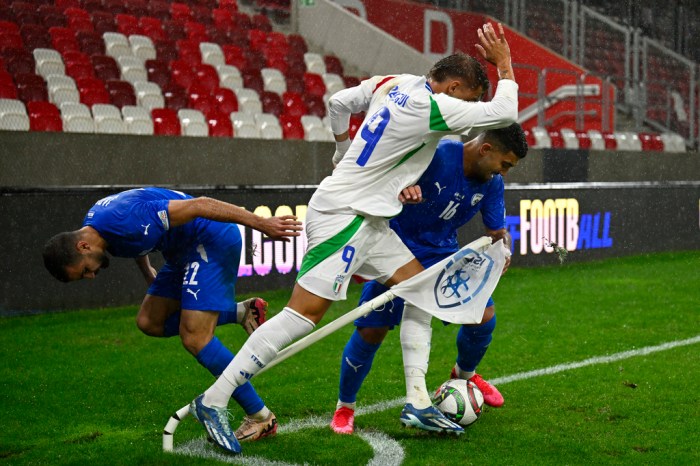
(128, 24)
(252, 79)
(153, 28)
(242, 20)
(166, 50)
(80, 24)
(18, 61)
(44, 116)
(584, 141)
(298, 43)
(196, 32)
(313, 84)
(291, 127)
(180, 12)
(200, 98)
(261, 22)
(333, 64)
(76, 12)
(351, 81)
(231, 5)
(174, 30)
(31, 88)
(223, 19)
(105, 67)
(315, 105)
(11, 41)
(355, 123)
(65, 4)
(188, 51)
(294, 103)
(226, 100)
(557, 139)
(8, 90)
(220, 124)
(121, 93)
(92, 91)
(103, 22)
(207, 76)
(257, 39)
(610, 140)
(272, 103)
(165, 122)
(175, 97)
(234, 56)
(138, 8)
(651, 142)
(159, 9)
(91, 43)
(158, 72)
(77, 70)
(182, 73)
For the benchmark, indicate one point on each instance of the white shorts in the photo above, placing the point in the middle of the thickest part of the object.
(342, 245)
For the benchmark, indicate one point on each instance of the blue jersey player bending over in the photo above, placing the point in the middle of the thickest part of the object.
(449, 193)
(195, 289)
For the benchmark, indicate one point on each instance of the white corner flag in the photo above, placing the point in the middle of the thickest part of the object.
(457, 289)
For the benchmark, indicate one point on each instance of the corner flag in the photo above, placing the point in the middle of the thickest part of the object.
(457, 289)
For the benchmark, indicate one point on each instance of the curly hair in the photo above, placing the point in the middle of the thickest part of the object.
(461, 66)
(508, 139)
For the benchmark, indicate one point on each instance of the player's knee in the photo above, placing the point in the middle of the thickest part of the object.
(373, 336)
(194, 341)
(147, 326)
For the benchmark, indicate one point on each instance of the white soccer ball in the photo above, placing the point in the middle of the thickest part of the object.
(460, 401)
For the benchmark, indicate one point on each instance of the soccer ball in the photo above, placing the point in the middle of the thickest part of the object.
(460, 401)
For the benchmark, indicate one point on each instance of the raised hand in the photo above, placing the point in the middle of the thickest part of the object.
(281, 228)
(493, 47)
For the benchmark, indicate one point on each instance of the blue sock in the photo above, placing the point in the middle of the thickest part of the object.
(472, 343)
(360, 354)
(172, 323)
(215, 357)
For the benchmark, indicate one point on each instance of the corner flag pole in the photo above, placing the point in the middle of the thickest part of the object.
(326, 330)
(479, 244)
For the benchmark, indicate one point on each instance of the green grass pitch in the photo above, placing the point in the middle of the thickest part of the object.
(87, 387)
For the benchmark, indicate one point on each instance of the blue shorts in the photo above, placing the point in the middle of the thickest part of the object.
(206, 278)
(391, 313)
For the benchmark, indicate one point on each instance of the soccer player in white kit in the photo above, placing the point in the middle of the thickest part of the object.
(347, 222)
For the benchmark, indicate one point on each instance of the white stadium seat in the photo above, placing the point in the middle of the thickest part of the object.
(76, 118)
(149, 95)
(132, 69)
(61, 89)
(193, 123)
(569, 137)
(142, 47)
(244, 125)
(137, 119)
(273, 80)
(597, 141)
(211, 54)
(542, 139)
(230, 77)
(628, 141)
(248, 101)
(673, 142)
(108, 119)
(48, 62)
(13, 115)
(315, 130)
(314, 63)
(268, 126)
(333, 82)
(116, 44)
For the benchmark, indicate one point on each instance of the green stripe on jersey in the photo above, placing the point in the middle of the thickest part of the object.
(408, 156)
(437, 123)
(323, 251)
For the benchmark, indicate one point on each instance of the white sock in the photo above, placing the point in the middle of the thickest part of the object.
(416, 334)
(240, 312)
(261, 415)
(260, 348)
(466, 375)
(342, 404)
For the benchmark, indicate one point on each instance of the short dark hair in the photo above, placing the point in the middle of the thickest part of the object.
(60, 252)
(508, 139)
(461, 66)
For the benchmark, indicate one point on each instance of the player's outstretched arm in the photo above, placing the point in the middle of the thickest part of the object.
(495, 50)
(278, 228)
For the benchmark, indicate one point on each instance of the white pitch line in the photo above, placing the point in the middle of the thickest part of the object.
(387, 451)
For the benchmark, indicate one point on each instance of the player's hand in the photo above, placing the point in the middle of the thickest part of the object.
(411, 195)
(507, 264)
(281, 228)
(493, 47)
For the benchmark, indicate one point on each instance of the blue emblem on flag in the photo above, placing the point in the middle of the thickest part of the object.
(462, 278)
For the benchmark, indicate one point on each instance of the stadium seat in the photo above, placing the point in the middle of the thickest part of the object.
(80, 24)
(13, 115)
(92, 91)
(180, 12)
(90, 43)
(271, 103)
(268, 126)
(651, 142)
(103, 21)
(31, 88)
(314, 63)
(166, 50)
(149, 95)
(108, 119)
(333, 83)
(62, 89)
(200, 98)
(76, 118)
(556, 140)
(158, 72)
(291, 127)
(260, 22)
(132, 69)
(142, 47)
(313, 84)
(165, 122)
(294, 104)
(315, 105)
(297, 42)
(596, 138)
(234, 55)
(78, 70)
(35, 36)
(252, 79)
(211, 54)
(196, 32)
(673, 142)
(542, 139)
(333, 65)
(116, 44)
(229, 77)
(137, 8)
(44, 116)
(273, 80)
(244, 125)
(351, 81)
(356, 121)
(610, 140)
(628, 141)
(248, 101)
(127, 24)
(152, 28)
(226, 100)
(220, 124)
(121, 93)
(188, 51)
(159, 9)
(315, 130)
(182, 73)
(584, 140)
(105, 67)
(193, 123)
(7, 87)
(206, 76)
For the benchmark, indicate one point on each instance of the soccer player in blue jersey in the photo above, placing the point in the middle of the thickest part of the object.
(461, 181)
(194, 291)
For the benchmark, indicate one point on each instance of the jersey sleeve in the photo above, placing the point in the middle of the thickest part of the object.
(356, 99)
(493, 208)
(456, 116)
